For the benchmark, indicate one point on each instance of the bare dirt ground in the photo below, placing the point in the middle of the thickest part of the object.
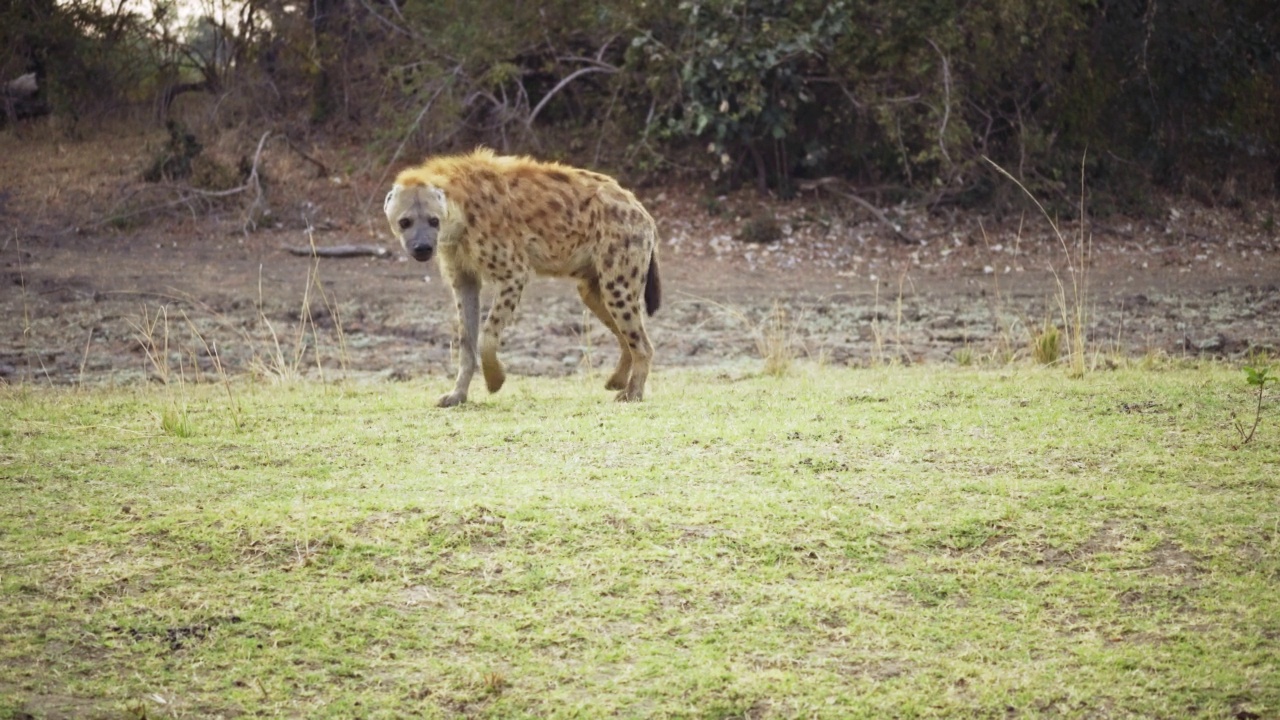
(187, 290)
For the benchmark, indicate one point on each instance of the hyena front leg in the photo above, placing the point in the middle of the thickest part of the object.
(589, 291)
(466, 294)
(501, 313)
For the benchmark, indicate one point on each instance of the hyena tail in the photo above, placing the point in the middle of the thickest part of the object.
(652, 285)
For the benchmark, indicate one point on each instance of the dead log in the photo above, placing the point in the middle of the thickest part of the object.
(340, 251)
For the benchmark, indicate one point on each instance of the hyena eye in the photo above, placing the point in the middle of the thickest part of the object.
(405, 223)
(433, 222)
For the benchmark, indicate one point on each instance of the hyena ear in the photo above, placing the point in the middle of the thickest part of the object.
(437, 194)
(386, 204)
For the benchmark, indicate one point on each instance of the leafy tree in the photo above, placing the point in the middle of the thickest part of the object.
(906, 95)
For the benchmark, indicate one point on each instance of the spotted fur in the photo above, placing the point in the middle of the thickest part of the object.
(498, 220)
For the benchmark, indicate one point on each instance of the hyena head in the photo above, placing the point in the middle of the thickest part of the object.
(415, 212)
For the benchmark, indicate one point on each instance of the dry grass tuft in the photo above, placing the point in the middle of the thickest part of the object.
(775, 341)
(1046, 344)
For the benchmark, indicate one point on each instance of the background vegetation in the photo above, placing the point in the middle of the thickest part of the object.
(902, 98)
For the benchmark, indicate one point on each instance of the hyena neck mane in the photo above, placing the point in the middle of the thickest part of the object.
(463, 174)
(475, 184)
(472, 175)
(464, 179)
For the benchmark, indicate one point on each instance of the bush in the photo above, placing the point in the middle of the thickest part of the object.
(908, 96)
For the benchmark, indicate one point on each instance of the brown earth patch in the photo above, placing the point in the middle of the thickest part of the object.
(81, 298)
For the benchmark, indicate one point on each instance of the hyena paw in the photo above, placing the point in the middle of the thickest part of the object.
(451, 399)
(629, 396)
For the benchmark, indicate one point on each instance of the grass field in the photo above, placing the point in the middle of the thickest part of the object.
(889, 542)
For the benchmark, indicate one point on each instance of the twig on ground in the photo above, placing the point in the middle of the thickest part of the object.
(321, 169)
(835, 186)
(187, 194)
(253, 181)
(340, 251)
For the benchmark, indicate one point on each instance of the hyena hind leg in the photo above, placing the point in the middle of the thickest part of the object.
(501, 313)
(589, 291)
(622, 295)
(641, 361)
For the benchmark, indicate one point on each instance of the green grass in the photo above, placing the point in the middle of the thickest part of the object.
(921, 542)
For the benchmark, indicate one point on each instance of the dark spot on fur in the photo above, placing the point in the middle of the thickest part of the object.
(634, 335)
(558, 176)
(617, 293)
(626, 316)
(555, 206)
(608, 285)
(634, 273)
(620, 303)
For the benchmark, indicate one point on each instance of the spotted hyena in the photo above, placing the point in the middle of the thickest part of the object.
(496, 219)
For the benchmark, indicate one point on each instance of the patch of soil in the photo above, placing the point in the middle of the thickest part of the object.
(66, 707)
(195, 295)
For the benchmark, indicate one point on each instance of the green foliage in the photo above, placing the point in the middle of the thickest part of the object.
(740, 68)
(907, 96)
(1183, 91)
(1046, 345)
(176, 422)
(1254, 377)
(80, 51)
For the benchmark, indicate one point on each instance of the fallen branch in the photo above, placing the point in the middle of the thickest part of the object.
(253, 181)
(835, 187)
(187, 194)
(322, 171)
(340, 251)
